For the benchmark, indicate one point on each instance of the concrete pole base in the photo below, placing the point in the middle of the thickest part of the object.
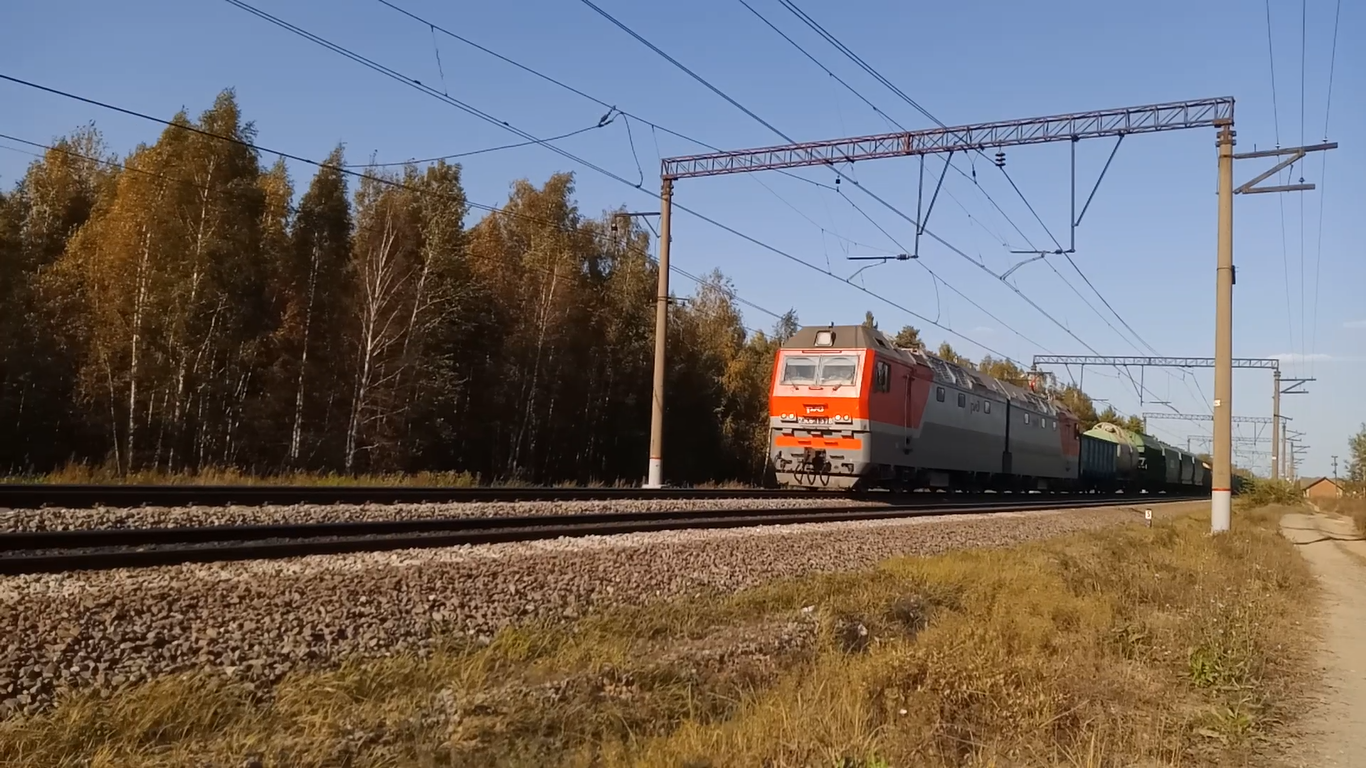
(1221, 511)
(655, 480)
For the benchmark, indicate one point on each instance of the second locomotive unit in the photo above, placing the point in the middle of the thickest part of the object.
(849, 409)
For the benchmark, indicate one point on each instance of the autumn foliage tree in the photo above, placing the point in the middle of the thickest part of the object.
(190, 306)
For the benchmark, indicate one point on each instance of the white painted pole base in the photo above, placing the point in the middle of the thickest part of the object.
(656, 477)
(1221, 511)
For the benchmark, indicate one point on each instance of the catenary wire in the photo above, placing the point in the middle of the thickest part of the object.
(491, 209)
(494, 210)
(1304, 18)
(789, 139)
(411, 82)
(685, 137)
(1323, 174)
(1276, 127)
(471, 153)
(820, 30)
(972, 178)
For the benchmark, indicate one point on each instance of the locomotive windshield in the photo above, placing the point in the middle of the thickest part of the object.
(799, 371)
(838, 370)
(819, 370)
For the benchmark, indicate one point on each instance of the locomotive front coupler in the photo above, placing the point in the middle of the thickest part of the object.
(815, 460)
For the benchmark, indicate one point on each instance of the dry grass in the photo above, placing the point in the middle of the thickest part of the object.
(1352, 507)
(1126, 646)
(101, 474)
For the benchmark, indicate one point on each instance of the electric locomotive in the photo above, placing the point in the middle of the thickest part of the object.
(849, 409)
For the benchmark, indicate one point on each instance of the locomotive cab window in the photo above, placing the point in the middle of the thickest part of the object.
(882, 377)
(799, 370)
(1026, 417)
(939, 394)
(838, 370)
(962, 400)
(986, 407)
(820, 370)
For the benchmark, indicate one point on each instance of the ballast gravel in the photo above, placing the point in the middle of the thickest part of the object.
(258, 620)
(63, 519)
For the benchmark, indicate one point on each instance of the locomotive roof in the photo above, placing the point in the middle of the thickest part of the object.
(863, 337)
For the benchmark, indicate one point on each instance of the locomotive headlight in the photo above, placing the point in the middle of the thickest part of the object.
(825, 338)
(844, 420)
(787, 417)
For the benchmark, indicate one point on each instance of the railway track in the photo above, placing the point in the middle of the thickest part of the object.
(104, 549)
(77, 496)
(85, 496)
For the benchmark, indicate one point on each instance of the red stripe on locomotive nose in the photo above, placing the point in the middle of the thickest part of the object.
(817, 442)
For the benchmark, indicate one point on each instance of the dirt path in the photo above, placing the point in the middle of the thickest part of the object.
(1336, 729)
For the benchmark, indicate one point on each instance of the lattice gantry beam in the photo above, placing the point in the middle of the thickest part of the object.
(1206, 418)
(1200, 113)
(1140, 360)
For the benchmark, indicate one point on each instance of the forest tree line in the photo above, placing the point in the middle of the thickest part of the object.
(181, 308)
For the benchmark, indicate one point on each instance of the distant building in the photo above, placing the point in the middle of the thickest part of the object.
(1320, 488)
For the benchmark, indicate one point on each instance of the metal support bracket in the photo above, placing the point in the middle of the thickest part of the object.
(923, 222)
(1076, 222)
(1294, 154)
(1291, 384)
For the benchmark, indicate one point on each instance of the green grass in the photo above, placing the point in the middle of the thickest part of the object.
(1131, 645)
(1266, 491)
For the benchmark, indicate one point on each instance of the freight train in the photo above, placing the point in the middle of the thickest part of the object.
(848, 409)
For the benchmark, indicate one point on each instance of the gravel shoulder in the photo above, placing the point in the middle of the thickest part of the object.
(1335, 729)
(1113, 645)
(63, 519)
(260, 620)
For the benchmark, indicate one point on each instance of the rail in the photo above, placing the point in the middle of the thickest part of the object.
(105, 549)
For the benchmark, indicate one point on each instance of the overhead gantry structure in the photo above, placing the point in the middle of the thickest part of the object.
(1116, 123)
(1280, 385)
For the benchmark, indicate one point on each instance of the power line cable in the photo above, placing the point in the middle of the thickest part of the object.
(495, 210)
(352, 172)
(561, 84)
(470, 153)
(418, 85)
(685, 137)
(1304, 18)
(947, 285)
(413, 82)
(864, 189)
(1323, 175)
(681, 66)
(1072, 262)
(848, 52)
(1276, 127)
(656, 49)
(890, 119)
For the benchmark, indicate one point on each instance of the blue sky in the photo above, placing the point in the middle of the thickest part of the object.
(1147, 243)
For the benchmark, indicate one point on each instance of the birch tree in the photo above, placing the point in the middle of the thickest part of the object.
(386, 274)
(310, 286)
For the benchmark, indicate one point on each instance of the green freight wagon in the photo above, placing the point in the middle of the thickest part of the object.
(1149, 462)
(1097, 467)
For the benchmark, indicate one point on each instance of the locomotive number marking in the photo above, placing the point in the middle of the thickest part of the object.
(841, 419)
